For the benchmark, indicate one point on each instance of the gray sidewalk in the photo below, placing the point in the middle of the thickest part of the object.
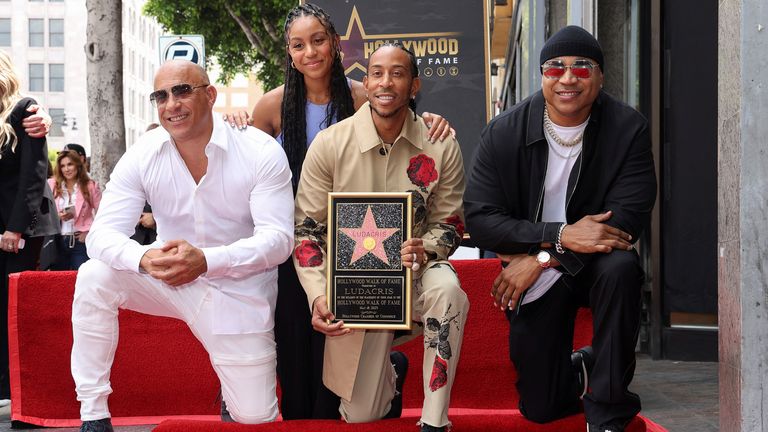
(681, 396)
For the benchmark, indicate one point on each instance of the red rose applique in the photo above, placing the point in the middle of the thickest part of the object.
(439, 374)
(421, 171)
(456, 221)
(309, 254)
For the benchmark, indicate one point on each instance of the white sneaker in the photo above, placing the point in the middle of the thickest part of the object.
(4, 402)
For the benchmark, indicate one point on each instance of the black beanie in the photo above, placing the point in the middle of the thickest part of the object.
(572, 41)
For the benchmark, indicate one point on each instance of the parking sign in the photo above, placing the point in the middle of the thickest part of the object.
(183, 47)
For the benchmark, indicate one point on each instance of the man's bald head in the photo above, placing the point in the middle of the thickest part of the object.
(185, 67)
(184, 99)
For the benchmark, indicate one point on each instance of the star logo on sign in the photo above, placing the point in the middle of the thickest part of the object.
(353, 42)
(369, 238)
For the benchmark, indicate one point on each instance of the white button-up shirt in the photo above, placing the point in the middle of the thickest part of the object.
(240, 215)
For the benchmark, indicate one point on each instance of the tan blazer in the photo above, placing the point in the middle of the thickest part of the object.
(346, 158)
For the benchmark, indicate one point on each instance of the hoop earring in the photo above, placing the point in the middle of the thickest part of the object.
(293, 65)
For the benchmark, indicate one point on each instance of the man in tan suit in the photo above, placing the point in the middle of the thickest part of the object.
(383, 148)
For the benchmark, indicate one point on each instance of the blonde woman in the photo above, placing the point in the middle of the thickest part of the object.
(77, 199)
(26, 215)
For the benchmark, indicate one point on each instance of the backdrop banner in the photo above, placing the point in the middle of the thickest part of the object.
(450, 40)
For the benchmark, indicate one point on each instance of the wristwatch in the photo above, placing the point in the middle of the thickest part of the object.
(544, 259)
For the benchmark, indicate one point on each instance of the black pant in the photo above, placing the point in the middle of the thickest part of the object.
(541, 341)
(26, 259)
(300, 354)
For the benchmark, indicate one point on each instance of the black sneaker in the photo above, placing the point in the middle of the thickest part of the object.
(400, 363)
(102, 425)
(617, 426)
(582, 361)
(427, 428)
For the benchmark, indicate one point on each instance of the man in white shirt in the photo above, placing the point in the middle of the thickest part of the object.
(224, 207)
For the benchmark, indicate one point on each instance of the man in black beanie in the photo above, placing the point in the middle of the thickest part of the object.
(562, 185)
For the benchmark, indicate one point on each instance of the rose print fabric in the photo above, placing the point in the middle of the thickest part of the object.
(345, 158)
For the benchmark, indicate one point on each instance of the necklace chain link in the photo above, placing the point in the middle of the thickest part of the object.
(558, 139)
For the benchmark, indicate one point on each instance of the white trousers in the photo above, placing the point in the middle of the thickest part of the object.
(244, 363)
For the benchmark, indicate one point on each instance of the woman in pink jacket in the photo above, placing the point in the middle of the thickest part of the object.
(77, 199)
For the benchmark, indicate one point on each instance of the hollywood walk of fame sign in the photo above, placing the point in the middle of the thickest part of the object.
(451, 42)
(368, 286)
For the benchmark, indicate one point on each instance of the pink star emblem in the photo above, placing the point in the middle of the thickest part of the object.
(369, 238)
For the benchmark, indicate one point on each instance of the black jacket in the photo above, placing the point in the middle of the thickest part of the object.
(505, 190)
(25, 207)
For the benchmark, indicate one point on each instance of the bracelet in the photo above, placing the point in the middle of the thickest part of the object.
(558, 245)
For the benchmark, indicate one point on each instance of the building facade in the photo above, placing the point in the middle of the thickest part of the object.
(46, 40)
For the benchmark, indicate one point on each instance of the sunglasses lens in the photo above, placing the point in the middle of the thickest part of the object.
(553, 71)
(181, 90)
(159, 96)
(581, 71)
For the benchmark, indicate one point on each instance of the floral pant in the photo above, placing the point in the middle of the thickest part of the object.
(441, 305)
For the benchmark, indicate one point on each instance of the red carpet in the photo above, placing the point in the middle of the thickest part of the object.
(461, 423)
(148, 385)
(160, 371)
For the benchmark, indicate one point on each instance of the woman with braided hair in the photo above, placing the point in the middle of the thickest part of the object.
(316, 94)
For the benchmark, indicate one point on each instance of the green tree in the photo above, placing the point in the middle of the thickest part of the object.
(241, 34)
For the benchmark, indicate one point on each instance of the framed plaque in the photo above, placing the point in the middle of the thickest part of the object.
(368, 286)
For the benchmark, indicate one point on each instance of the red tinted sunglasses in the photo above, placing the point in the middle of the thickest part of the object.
(581, 69)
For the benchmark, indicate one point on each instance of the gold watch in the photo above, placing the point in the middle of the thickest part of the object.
(544, 259)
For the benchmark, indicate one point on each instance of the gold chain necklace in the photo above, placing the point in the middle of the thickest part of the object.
(558, 139)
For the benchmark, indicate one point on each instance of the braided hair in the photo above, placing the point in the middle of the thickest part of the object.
(293, 119)
(414, 69)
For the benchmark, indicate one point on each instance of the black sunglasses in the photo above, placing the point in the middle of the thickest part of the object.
(179, 91)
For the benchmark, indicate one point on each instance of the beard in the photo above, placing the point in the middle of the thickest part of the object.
(388, 114)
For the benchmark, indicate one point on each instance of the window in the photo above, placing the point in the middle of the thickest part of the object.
(36, 77)
(56, 32)
(56, 77)
(36, 32)
(5, 31)
(57, 115)
(221, 100)
(239, 81)
(239, 100)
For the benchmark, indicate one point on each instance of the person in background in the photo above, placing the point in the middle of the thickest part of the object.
(80, 150)
(77, 200)
(49, 250)
(316, 95)
(24, 209)
(146, 229)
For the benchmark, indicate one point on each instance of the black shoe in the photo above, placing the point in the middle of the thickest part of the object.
(400, 362)
(427, 428)
(102, 425)
(616, 426)
(225, 417)
(582, 361)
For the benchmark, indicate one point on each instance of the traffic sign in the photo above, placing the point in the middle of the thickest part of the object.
(183, 47)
